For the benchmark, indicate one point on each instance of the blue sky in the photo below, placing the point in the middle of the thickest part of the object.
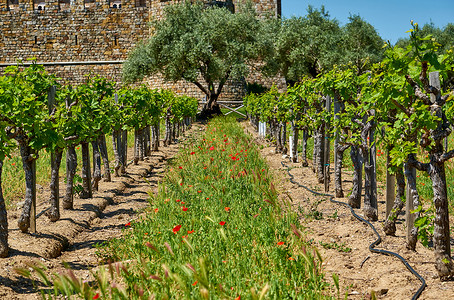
(390, 18)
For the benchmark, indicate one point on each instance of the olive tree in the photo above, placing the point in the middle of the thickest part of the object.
(204, 45)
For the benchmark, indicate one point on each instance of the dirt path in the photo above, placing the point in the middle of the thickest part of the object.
(330, 225)
(93, 221)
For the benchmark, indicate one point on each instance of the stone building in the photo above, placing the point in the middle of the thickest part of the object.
(73, 38)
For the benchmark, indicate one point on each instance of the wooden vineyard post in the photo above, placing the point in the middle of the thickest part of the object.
(336, 135)
(51, 105)
(33, 206)
(390, 187)
(409, 207)
(327, 146)
(373, 163)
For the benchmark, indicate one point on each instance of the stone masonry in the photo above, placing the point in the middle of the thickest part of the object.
(90, 37)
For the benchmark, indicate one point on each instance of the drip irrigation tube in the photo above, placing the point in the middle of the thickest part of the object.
(375, 243)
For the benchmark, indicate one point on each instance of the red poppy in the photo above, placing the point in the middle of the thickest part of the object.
(13, 164)
(190, 231)
(222, 223)
(184, 208)
(291, 258)
(233, 158)
(192, 153)
(212, 148)
(180, 167)
(156, 210)
(204, 168)
(194, 283)
(280, 243)
(96, 296)
(199, 191)
(227, 209)
(128, 224)
(176, 229)
(181, 184)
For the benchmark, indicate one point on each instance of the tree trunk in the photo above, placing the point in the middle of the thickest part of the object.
(105, 158)
(54, 211)
(283, 130)
(212, 107)
(355, 197)
(339, 153)
(441, 238)
(304, 162)
(3, 220)
(390, 224)
(71, 166)
(86, 173)
(155, 137)
(138, 146)
(96, 165)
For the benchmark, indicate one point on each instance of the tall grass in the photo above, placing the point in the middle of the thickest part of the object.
(215, 230)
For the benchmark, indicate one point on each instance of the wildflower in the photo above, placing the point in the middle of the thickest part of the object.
(176, 229)
(204, 168)
(233, 157)
(128, 224)
(212, 148)
(280, 243)
(222, 223)
(227, 209)
(181, 183)
(13, 164)
(78, 148)
(96, 296)
(184, 208)
(199, 191)
(291, 258)
(208, 198)
(180, 167)
(190, 231)
(178, 200)
(194, 283)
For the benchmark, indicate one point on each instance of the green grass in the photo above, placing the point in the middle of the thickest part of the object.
(215, 230)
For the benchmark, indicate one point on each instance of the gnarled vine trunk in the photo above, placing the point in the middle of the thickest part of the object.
(96, 165)
(28, 161)
(414, 197)
(339, 153)
(355, 197)
(3, 220)
(155, 137)
(71, 166)
(54, 211)
(86, 173)
(319, 150)
(304, 162)
(390, 224)
(105, 157)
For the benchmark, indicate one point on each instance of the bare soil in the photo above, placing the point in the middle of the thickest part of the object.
(360, 271)
(71, 240)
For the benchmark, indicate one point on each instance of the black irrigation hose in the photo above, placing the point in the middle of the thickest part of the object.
(375, 243)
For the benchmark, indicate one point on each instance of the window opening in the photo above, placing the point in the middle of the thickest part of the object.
(39, 5)
(64, 4)
(115, 3)
(12, 4)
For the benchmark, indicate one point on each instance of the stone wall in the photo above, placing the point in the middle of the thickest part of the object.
(89, 30)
